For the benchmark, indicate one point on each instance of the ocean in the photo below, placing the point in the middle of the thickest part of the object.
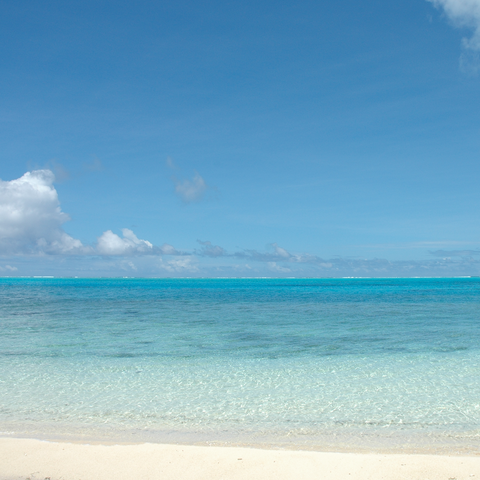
(328, 364)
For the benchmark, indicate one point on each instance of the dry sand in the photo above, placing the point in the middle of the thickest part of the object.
(39, 460)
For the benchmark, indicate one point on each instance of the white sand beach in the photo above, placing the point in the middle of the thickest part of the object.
(22, 459)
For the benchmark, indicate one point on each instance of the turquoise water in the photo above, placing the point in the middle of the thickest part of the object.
(390, 364)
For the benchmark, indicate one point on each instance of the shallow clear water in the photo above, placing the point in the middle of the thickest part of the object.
(331, 363)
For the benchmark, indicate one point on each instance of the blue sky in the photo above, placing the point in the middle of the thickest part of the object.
(240, 138)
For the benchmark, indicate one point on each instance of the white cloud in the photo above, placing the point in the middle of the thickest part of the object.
(209, 250)
(277, 268)
(463, 13)
(279, 255)
(179, 265)
(191, 190)
(110, 243)
(31, 222)
(168, 249)
(31, 218)
(8, 268)
(281, 252)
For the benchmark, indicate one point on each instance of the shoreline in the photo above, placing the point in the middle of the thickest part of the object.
(407, 442)
(23, 458)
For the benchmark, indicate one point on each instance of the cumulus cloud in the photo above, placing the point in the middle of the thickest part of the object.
(129, 244)
(110, 243)
(31, 222)
(31, 218)
(463, 13)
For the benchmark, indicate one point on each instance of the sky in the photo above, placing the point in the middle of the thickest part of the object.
(240, 139)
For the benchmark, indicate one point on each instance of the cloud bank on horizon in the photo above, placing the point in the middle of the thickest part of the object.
(31, 225)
